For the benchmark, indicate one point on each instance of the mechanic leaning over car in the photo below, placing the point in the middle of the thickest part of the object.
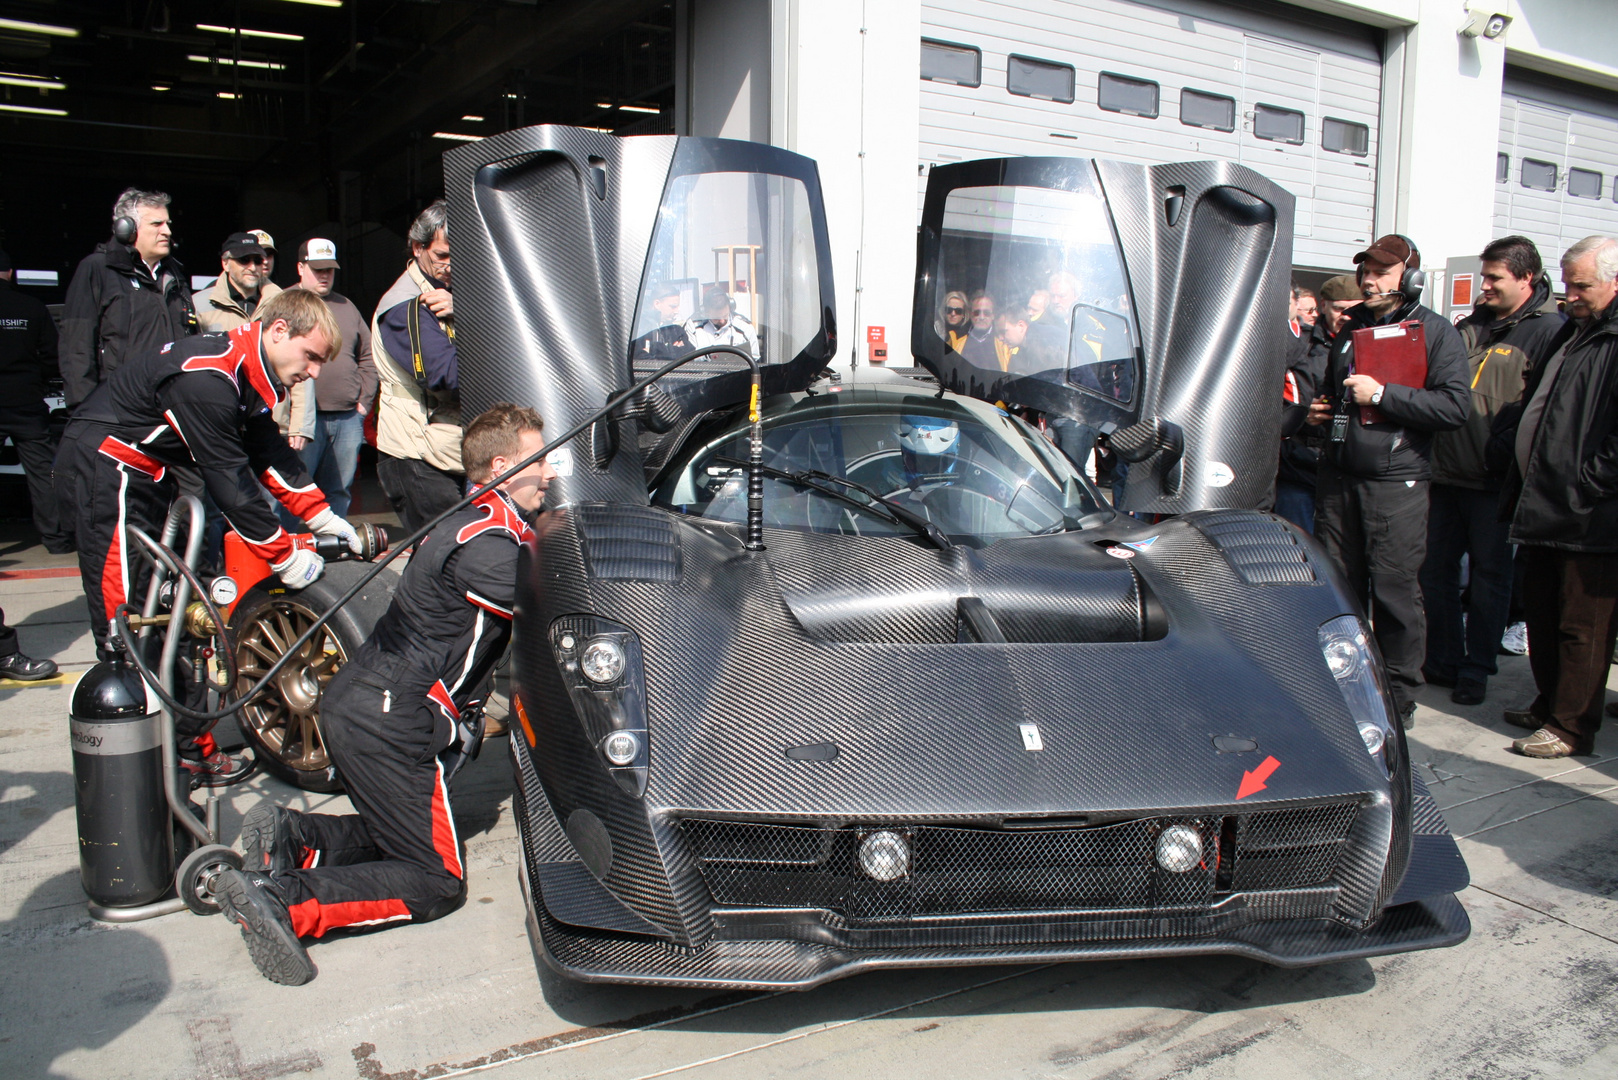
(399, 719)
(203, 402)
(1372, 486)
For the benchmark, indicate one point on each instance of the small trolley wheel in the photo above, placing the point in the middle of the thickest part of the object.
(194, 880)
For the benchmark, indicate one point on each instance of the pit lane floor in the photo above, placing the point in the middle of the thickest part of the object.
(1534, 992)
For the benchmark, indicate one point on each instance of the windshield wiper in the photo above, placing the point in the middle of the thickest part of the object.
(830, 484)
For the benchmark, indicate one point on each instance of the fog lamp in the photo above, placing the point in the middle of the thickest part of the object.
(885, 856)
(602, 660)
(621, 747)
(1179, 848)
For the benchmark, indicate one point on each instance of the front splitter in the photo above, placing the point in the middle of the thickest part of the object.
(601, 956)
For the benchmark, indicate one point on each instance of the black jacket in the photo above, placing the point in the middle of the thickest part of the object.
(1398, 448)
(1300, 454)
(205, 402)
(116, 310)
(1569, 497)
(27, 348)
(1499, 353)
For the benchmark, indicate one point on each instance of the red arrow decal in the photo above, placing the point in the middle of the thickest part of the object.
(1254, 781)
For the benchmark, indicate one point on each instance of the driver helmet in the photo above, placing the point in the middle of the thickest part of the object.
(929, 443)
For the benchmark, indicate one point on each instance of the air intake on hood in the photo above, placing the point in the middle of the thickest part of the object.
(1259, 547)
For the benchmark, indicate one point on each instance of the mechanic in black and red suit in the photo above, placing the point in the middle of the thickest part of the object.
(399, 719)
(201, 402)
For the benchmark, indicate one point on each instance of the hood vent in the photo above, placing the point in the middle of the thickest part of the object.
(628, 543)
(1259, 547)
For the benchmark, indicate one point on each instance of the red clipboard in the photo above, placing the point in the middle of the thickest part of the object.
(1392, 355)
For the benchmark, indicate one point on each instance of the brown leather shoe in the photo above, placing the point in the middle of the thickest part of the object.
(1543, 744)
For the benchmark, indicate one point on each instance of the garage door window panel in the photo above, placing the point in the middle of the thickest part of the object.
(1584, 183)
(1345, 137)
(1275, 124)
(1029, 77)
(1127, 95)
(947, 62)
(1502, 168)
(1215, 112)
(1538, 175)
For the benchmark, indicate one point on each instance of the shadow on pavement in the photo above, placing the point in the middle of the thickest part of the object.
(52, 792)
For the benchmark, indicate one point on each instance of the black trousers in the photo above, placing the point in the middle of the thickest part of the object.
(398, 859)
(418, 491)
(1376, 530)
(1460, 522)
(1569, 601)
(109, 494)
(8, 637)
(28, 427)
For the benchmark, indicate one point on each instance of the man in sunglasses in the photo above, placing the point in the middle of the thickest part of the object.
(243, 285)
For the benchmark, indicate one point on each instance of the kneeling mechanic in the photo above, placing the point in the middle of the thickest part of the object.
(398, 720)
(203, 402)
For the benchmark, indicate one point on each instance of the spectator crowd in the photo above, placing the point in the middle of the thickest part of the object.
(1484, 486)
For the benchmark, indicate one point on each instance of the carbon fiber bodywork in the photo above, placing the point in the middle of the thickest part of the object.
(777, 712)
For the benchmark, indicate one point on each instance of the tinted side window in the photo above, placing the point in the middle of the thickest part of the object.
(1277, 124)
(1539, 175)
(1502, 168)
(946, 62)
(1584, 183)
(1122, 94)
(1345, 137)
(1028, 77)
(1204, 110)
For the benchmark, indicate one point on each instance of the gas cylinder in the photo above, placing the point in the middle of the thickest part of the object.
(126, 844)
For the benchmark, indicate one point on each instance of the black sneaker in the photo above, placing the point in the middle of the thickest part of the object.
(270, 841)
(1469, 692)
(25, 668)
(252, 901)
(218, 769)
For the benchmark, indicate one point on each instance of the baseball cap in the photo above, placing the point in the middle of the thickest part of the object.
(1391, 249)
(1341, 287)
(265, 240)
(240, 246)
(318, 254)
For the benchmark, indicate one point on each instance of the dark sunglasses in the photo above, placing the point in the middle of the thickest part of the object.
(983, 311)
(250, 260)
(954, 311)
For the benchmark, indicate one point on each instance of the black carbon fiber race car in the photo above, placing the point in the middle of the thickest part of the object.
(957, 709)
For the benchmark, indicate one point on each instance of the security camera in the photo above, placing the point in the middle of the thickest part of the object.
(1485, 23)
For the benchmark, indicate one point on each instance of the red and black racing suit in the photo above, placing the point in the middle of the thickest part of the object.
(389, 714)
(204, 402)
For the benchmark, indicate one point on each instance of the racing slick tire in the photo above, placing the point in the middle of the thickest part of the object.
(282, 724)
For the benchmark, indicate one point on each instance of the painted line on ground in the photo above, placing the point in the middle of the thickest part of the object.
(1542, 911)
(1536, 813)
(54, 680)
(40, 572)
(822, 1028)
(1525, 783)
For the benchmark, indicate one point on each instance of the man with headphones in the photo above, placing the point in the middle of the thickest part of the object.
(1372, 486)
(127, 298)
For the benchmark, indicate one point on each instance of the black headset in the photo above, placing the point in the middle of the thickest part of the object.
(124, 230)
(1413, 282)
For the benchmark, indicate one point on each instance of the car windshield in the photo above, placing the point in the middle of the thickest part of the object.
(976, 473)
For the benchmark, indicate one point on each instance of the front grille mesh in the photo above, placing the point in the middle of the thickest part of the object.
(962, 871)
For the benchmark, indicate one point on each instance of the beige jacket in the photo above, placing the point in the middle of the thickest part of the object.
(410, 423)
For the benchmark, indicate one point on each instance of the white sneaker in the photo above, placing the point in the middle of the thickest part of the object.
(1515, 639)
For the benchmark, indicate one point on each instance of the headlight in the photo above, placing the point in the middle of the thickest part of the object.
(621, 747)
(602, 661)
(1347, 650)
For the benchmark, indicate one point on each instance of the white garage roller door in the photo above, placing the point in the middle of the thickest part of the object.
(1297, 101)
(1556, 177)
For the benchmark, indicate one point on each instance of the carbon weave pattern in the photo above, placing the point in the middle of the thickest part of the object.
(628, 543)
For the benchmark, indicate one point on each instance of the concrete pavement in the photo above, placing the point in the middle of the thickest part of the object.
(1533, 993)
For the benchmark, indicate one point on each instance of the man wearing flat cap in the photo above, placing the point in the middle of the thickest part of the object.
(1371, 491)
(243, 284)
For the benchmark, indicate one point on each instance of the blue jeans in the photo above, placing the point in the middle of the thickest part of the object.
(1296, 503)
(1462, 521)
(331, 456)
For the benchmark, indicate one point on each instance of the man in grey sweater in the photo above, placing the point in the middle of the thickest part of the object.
(327, 424)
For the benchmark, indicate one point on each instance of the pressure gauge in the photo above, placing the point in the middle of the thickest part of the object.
(222, 590)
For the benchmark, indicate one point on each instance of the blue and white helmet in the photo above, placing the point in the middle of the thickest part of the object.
(932, 436)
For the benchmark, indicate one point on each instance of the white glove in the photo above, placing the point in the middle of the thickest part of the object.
(327, 523)
(301, 569)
